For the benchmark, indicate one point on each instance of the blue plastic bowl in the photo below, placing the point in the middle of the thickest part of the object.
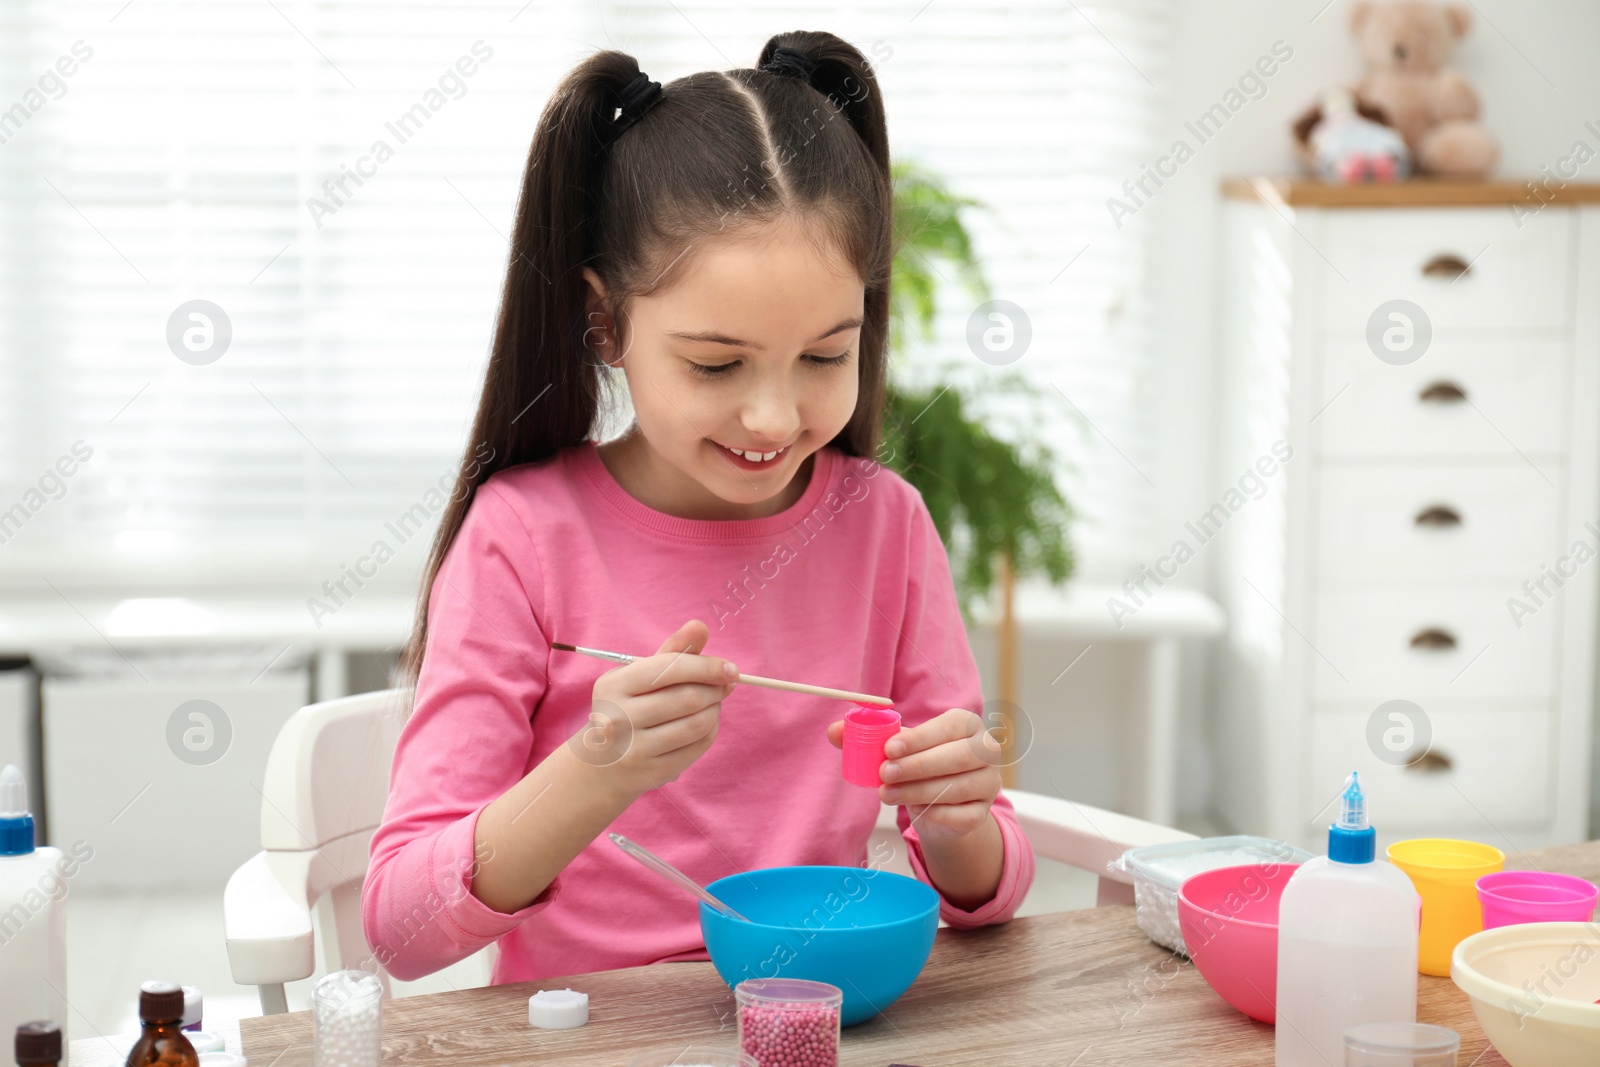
(866, 931)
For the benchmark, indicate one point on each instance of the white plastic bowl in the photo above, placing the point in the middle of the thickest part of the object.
(1533, 988)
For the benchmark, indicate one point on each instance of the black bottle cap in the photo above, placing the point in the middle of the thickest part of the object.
(39, 1042)
(160, 1002)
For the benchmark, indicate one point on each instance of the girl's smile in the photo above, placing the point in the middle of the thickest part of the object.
(754, 459)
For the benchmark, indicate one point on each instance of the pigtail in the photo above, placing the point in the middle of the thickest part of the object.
(843, 75)
(541, 392)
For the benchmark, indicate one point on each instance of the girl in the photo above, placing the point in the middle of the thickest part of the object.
(725, 243)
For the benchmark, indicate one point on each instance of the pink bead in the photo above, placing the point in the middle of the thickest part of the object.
(790, 1035)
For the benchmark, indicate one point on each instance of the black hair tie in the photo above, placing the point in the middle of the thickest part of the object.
(790, 63)
(634, 99)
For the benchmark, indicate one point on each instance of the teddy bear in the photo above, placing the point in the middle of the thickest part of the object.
(1406, 45)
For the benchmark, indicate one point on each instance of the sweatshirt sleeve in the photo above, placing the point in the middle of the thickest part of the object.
(467, 741)
(935, 671)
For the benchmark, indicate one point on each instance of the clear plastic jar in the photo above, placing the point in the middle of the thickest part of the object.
(790, 1021)
(347, 1020)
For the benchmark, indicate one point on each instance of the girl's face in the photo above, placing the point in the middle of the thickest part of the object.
(755, 349)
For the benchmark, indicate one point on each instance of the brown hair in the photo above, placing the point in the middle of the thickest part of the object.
(716, 152)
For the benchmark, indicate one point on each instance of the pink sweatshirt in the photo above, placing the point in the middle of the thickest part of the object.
(849, 587)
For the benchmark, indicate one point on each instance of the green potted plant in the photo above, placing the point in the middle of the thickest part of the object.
(995, 502)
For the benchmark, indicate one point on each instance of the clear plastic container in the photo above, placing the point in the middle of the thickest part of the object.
(792, 1021)
(1159, 870)
(347, 1020)
(1400, 1045)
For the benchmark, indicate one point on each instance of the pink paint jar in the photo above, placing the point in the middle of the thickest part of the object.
(789, 1021)
(867, 728)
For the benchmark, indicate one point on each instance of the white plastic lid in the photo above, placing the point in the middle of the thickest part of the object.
(223, 1059)
(557, 1009)
(205, 1041)
(193, 1005)
(1169, 865)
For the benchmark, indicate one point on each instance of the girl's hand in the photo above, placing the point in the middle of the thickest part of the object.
(946, 772)
(653, 717)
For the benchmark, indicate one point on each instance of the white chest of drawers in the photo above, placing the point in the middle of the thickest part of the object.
(1435, 537)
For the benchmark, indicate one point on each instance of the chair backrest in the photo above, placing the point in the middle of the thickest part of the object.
(327, 776)
(326, 783)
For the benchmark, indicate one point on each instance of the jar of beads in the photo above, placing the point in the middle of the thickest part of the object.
(789, 1021)
(347, 1020)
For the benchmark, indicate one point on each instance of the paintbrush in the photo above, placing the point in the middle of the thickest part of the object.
(744, 679)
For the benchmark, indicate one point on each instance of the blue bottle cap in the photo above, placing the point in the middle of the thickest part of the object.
(1352, 839)
(16, 822)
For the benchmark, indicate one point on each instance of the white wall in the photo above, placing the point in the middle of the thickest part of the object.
(1533, 65)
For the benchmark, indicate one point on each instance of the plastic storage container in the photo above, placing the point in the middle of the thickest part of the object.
(1400, 1045)
(347, 1020)
(1159, 870)
(789, 1021)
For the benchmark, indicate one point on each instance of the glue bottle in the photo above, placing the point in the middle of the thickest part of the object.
(1347, 942)
(33, 915)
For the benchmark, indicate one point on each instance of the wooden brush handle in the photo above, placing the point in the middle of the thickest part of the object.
(815, 690)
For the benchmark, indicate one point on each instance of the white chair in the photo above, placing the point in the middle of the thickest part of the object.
(326, 782)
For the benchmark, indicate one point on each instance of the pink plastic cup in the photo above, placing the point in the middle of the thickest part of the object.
(867, 728)
(1511, 897)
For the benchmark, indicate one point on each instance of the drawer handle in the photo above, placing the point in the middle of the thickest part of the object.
(1443, 393)
(1440, 515)
(1446, 265)
(1433, 639)
(1430, 762)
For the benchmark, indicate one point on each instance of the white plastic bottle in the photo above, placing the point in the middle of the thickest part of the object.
(1347, 943)
(33, 916)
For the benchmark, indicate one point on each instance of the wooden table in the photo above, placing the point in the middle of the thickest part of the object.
(1070, 989)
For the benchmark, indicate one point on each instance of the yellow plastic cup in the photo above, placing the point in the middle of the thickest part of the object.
(1445, 873)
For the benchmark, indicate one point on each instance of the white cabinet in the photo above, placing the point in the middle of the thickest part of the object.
(1435, 538)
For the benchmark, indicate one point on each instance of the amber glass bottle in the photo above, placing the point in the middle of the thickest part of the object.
(161, 1039)
(38, 1044)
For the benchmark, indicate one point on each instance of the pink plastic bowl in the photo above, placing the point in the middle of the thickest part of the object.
(1511, 897)
(1229, 919)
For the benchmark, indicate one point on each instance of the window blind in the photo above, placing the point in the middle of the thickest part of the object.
(331, 176)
